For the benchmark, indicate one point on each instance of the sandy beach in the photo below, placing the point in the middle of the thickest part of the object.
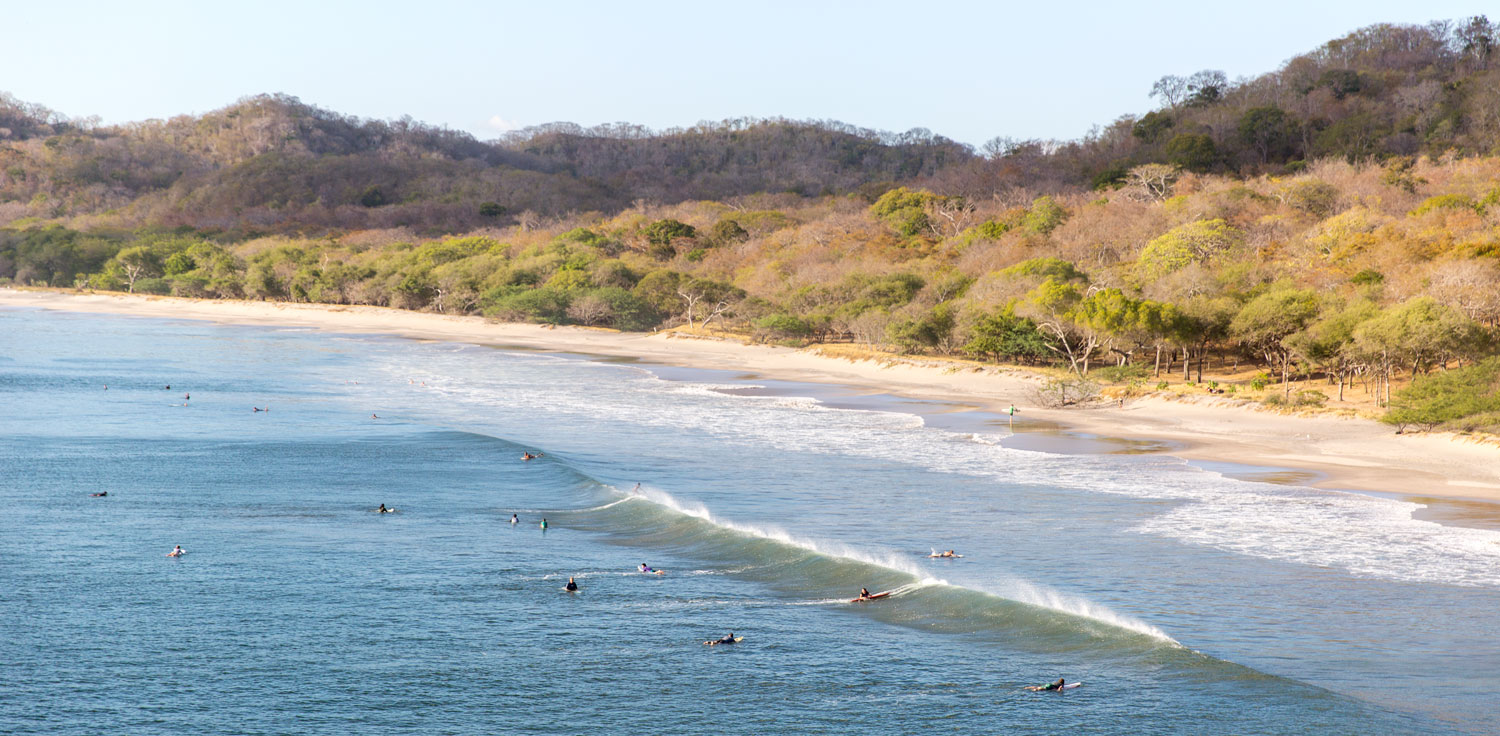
(1355, 454)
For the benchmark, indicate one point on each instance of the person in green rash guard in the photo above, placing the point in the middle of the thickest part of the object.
(544, 525)
(1048, 687)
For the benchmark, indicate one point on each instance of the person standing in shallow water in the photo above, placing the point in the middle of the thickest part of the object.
(571, 587)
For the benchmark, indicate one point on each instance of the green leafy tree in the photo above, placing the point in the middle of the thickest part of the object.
(1449, 397)
(1193, 152)
(1265, 323)
(1268, 131)
(136, 263)
(1044, 216)
(1194, 242)
(1152, 126)
(1002, 335)
(663, 232)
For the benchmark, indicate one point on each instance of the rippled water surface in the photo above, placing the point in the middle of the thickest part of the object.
(1184, 600)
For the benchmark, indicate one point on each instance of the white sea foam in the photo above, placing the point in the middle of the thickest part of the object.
(1016, 589)
(1362, 535)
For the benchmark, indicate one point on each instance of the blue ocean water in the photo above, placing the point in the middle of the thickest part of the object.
(1185, 601)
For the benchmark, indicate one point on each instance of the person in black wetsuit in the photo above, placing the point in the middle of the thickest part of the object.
(1049, 686)
(571, 587)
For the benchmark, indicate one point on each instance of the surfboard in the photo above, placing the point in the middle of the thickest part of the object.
(873, 597)
(1068, 686)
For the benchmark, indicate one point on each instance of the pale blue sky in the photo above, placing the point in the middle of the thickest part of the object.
(967, 70)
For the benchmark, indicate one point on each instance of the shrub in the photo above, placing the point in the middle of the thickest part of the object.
(663, 232)
(784, 326)
(1194, 242)
(1445, 202)
(1044, 216)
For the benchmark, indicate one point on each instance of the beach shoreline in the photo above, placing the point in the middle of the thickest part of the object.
(1345, 453)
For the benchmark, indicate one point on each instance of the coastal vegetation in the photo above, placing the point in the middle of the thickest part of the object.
(1327, 230)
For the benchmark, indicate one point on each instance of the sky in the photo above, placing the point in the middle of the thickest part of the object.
(970, 71)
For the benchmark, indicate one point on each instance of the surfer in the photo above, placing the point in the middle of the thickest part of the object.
(949, 553)
(544, 528)
(372, 416)
(187, 396)
(571, 587)
(383, 510)
(645, 568)
(514, 519)
(100, 494)
(864, 592)
(1048, 687)
(726, 640)
(529, 456)
(177, 551)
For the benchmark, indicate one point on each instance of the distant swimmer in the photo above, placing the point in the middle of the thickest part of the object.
(187, 396)
(731, 639)
(515, 519)
(1061, 684)
(372, 416)
(649, 570)
(256, 409)
(177, 551)
(636, 489)
(529, 456)
(167, 387)
(106, 387)
(571, 587)
(384, 510)
(544, 525)
(949, 553)
(100, 494)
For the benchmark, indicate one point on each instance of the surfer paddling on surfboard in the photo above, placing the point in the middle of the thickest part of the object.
(949, 553)
(649, 570)
(1058, 686)
(866, 595)
(177, 551)
(731, 639)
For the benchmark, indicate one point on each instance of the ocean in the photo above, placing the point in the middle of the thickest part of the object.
(1185, 598)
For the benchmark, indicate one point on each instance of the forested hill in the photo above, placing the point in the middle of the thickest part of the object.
(274, 163)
